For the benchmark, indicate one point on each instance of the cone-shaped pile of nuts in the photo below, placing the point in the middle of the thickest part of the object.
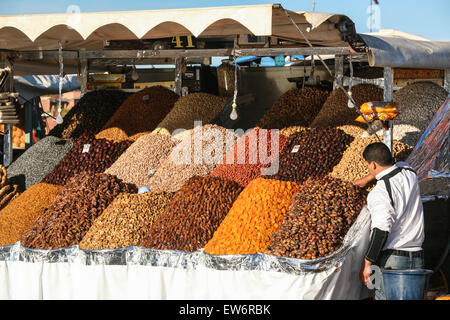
(198, 154)
(92, 112)
(139, 114)
(319, 217)
(19, 215)
(311, 153)
(65, 222)
(352, 165)
(126, 220)
(296, 107)
(257, 149)
(335, 110)
(417, 104)
(193, 107)
(193, 214)
(7, 191)
(38, 161)
(87, 154)
(254, 217)
(139, 162)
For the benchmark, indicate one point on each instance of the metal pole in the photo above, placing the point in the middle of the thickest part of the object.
(178, 78)
(338, 71)
(84, 76)
(7, 145)
(388, 134)
(447, 80)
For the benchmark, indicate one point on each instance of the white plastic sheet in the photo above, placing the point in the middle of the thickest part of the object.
(141, 273)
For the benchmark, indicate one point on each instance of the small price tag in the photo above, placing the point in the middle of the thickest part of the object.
(86, 148)
(151, 172)
(145, 98)
(295, 149)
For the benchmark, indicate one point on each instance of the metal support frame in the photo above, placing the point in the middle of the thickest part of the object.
(388, 134)
(338, 71)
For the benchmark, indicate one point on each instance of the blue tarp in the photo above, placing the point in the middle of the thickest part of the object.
(34, 86)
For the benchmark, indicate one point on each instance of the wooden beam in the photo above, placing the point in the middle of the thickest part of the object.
(146, 54)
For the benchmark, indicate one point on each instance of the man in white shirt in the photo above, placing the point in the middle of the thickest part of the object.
(397, 227)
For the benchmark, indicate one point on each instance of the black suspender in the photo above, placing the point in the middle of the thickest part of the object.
(390, 175)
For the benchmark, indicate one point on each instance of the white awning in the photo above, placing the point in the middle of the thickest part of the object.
(89, 30)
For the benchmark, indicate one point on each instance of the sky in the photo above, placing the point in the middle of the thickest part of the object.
(429, 19)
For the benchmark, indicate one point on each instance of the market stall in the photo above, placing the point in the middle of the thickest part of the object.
(206, 229)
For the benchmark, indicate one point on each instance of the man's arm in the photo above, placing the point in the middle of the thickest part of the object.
(364, 181)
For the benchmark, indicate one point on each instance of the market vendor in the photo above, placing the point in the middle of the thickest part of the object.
(395, 206)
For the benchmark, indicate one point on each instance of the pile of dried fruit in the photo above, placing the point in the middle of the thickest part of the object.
(335, 111)
(311, 153)
(91, 112)
(125, 221)
(38, 161)
(193, 107)
(139, 114)
(198, 154)
(296, 107)
(87, 154)
(19, 215)
(319, 217)
(193, 214)
(352, 165)
(7, 191)
(254, 217)
(65, 222)
(139, 162)
(255, 150)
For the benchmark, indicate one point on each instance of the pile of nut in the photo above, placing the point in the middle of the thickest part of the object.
(87, 154)
(198, 154)
(193, 214)
(139, 114)
(255, 215)
(255, 150)
(335, 111)
(296, 107)
(38, 161)
(319, 217)
(19, 215)
(91, 112)
(352, 165)
(65, 222)
(311, 153)
(139, 162)
(193, 107)
(417, 104)
(125, 221)
(7, 191)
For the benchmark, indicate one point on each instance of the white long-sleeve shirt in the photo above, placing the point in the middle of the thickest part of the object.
(405, 222)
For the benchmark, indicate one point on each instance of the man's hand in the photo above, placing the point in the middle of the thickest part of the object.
(364, 181)
(366, 271)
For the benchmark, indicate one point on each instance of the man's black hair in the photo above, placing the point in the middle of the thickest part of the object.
(378, 152)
